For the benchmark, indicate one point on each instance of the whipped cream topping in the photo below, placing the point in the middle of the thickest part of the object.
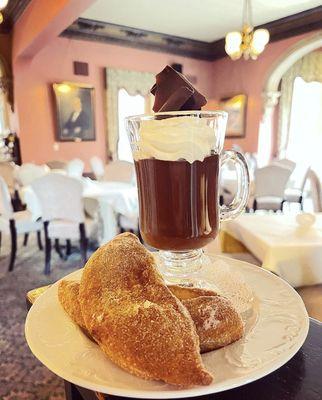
(171, 139)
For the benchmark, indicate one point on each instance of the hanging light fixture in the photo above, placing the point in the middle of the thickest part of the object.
(248, 43)
(3, 4)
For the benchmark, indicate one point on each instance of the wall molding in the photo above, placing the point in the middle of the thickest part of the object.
(87, 29)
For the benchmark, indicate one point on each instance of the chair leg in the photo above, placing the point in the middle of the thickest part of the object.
(0, 240)
(301, 203)
(47, 249)
(255, 205)
(282, 205)
(83, 243)
(25, 239)
(57, 248)
(68, 247)
(13, 234)
(39, 240)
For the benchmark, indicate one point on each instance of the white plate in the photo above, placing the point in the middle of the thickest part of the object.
(276, 327)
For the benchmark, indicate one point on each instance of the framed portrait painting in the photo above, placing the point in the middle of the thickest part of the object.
(236, 107)
(74, 112)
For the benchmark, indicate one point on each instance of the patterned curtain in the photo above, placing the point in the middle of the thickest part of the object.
(134, 83)
(308, 68)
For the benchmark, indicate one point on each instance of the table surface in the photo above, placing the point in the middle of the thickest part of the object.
(276, 230)
(283, 246)
(299, 379)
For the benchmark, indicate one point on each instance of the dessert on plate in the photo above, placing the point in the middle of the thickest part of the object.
(147, 328)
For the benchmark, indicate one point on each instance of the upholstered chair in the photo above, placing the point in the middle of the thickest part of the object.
(29, 172)
(15, 223)
(75, 168)
(61, 202)
(270, 185)
(97, 167)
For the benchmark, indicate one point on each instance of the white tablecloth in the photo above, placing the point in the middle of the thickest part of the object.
(293, 252)
(109, 198)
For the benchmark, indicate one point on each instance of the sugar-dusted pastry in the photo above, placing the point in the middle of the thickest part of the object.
(138, 323)
(226, 329)
(68, 295)
(217, 322)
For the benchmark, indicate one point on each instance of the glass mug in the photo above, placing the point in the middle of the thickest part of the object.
(178, 156)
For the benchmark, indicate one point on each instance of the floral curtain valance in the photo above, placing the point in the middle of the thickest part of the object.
(308, 68)
(134, 83)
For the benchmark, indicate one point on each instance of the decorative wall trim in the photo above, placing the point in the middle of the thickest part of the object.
(12, 13)
(87, 29)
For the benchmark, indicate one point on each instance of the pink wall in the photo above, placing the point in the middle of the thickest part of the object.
(248, 77)
(33, 79)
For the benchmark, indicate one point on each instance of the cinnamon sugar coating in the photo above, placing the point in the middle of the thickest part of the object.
(68, 292)
(138, 323)
(217, 322)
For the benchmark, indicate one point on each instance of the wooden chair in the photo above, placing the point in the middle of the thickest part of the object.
(61, 203)
(15, 223)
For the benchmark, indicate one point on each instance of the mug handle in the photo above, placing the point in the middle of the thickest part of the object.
(240, 200)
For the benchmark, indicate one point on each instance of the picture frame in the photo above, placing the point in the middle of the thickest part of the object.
(236, 107)
(75, 112)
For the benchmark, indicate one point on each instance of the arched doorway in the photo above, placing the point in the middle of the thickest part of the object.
(271, 93)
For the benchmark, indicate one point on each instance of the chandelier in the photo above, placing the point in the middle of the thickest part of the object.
(248, 43)
(3, 4)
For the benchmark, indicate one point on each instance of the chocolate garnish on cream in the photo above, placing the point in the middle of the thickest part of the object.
(182, 137)
(173, 92)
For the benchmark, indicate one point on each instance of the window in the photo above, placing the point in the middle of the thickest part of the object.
(305, 135)
(127, 105)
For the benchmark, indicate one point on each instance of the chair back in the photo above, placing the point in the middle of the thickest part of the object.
(8, 171)
(6, 209)
(284, 162)
(299, 177)
(60, 197)
(28, 172)
(316, 190)
(57, 164)
(97, 166)
(271, 181)
(75, 168)
(119, 171)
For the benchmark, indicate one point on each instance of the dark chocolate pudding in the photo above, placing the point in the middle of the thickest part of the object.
(178, 202)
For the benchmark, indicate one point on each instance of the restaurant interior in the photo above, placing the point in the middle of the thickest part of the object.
(72, 72)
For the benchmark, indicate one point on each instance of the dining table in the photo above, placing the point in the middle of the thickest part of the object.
(104, 200)
(108, 200)
(282, 245)
(298, 379)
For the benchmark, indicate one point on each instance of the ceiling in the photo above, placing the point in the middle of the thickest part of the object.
(205, 20)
